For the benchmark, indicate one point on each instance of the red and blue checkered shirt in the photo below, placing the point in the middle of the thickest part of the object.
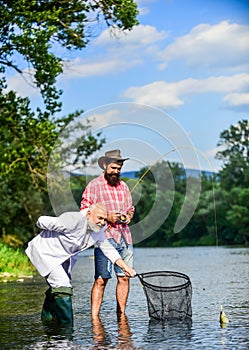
(115, 198)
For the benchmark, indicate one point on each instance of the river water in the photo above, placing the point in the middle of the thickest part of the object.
(219, 275)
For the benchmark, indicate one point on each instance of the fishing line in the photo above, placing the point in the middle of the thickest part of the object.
(212, 180)
(213, 192)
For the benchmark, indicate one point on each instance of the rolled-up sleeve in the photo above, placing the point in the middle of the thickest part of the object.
(50, 223)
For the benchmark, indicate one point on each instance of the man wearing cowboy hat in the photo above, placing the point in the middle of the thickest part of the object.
(110, 190)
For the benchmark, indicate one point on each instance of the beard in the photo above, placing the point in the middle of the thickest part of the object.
(112, 179)
(94, 227)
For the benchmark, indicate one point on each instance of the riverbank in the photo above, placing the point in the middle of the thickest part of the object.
(8, 277)
(14, 264)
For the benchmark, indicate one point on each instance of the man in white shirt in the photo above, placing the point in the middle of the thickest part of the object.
(53, 252)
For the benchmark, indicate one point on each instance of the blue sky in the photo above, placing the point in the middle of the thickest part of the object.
(166, 89)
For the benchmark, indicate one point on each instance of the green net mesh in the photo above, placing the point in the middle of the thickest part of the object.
(168, 294)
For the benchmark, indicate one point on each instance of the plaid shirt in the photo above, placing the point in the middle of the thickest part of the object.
(115, 198)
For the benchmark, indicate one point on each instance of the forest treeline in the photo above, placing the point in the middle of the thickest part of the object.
(221, 215)
(222, 212)
(35, 38)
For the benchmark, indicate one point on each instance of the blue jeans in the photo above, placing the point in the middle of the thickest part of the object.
(103, 266)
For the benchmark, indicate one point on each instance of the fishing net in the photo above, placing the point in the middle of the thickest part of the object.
(168, 294)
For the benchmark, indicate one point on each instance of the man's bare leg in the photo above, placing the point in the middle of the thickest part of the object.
(97, 295)
(122, 292)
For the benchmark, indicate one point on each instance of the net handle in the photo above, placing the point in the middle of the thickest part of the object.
(139, 277)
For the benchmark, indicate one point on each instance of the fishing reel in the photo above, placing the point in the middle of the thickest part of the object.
(122, 219)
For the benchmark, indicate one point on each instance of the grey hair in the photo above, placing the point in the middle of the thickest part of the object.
(98, 205)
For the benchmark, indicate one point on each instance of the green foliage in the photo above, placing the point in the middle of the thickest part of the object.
(31, 35)
(26, 143)
(121, 13)
(221, 217)
(166, 175)
(235, 155)
(238, 212)
(78, 184)
(25, 139)
(234, 178)
(14, 261)
(32, 30)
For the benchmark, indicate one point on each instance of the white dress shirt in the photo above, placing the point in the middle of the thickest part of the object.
(62, 238)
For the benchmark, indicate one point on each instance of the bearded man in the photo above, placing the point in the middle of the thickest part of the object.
(110, 190)
(54, 252)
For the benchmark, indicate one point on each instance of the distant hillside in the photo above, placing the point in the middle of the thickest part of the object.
(189, 172)
(134, 173)
(130, 174)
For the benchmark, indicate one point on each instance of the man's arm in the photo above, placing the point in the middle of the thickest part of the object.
(64, 223)
(49, 223)
(127, 269)
(112, 254)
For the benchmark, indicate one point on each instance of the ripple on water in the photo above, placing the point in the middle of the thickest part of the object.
(218, 277)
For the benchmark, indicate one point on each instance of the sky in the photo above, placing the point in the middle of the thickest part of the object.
(166, 89)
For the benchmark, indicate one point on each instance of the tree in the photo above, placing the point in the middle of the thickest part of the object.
(238, 214)
(164, 188)
(30, 33)
(234, 178)
(235, 155)
(26, 142)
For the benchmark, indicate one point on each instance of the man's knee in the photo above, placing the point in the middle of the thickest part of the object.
(101, 282)
(123, 280)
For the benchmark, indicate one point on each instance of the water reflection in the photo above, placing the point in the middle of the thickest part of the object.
(54, 336)
(124, 334)
(100, 335)
(58, 331)
(218, 277)
(161, 330)
(104, 340)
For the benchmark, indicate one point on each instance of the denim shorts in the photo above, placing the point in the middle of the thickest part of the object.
(103, 266)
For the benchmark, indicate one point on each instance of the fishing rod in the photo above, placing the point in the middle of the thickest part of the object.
(223, 318)
(122, 218)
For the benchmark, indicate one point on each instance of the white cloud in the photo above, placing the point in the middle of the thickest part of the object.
(171, 95)
(103, 120)
(119, 51)
(113, 51)
(237, 99)
(139, 36)
(159, 93)
(222, 45)
(81, 69)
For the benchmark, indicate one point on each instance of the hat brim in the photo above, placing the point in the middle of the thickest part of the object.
(104, 159)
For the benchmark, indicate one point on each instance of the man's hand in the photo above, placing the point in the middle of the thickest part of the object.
(113, 217)
(129, 272)
(129, 216)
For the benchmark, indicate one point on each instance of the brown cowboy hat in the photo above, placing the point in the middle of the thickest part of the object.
(111, 157)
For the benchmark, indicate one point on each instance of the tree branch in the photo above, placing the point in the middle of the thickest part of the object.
(9, 64)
